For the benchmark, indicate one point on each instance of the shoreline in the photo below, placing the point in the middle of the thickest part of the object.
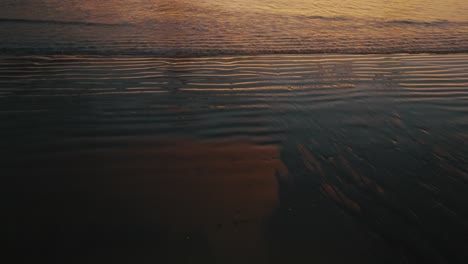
(183, 55)
(277, 158)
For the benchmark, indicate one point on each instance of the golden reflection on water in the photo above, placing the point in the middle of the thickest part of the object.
(138, 10)
(187, 27)
(397, 9)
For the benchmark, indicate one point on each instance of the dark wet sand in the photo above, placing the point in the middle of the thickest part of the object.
(263, 159)
(217, 193)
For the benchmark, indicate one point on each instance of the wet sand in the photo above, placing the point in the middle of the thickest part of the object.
(244, 159)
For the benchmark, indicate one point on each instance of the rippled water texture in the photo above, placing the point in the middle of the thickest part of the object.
(208, 27)
(217, 131)
(267, 159)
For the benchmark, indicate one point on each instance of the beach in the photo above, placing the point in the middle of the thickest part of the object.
(255, 159)
(234, 131)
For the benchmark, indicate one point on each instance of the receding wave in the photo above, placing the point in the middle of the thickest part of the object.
(261, 83)
(190, 52)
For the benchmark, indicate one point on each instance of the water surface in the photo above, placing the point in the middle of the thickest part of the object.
(262, 131)
(191, 28)
(268, 159)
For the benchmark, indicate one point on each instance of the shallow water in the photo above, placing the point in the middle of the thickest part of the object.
(245, 159)
(191, 28)
(168, 131)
